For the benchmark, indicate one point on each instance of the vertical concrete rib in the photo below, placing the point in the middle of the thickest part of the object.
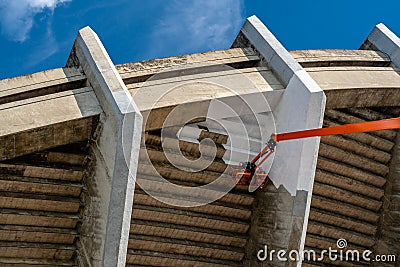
(384, 40)
(108, 211)
(301, 107)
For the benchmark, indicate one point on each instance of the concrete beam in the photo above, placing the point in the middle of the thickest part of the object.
(384, 40)
(358, 86)
(141, 71)
(301, 107)
(40, 83)
(340, 57)
(105, 230)
(48, 121)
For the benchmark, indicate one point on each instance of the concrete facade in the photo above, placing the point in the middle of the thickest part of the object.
(79, 169)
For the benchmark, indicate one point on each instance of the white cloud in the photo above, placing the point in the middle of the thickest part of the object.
(196, 25)
(17, 16)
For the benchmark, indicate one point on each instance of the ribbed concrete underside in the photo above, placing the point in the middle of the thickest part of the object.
(210, 235)
(349, 183)
(44, 133)
(350, 179)
(40, 205)
(352, 170)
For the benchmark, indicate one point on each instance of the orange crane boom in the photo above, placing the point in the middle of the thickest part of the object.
(249, 169)
(360, 127)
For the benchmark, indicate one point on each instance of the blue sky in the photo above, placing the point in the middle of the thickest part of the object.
(36, 35)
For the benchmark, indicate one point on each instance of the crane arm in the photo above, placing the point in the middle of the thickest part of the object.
(360, 127)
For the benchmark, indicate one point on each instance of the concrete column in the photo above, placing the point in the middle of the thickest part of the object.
(108, 202)
(384, 40)
(281, 215)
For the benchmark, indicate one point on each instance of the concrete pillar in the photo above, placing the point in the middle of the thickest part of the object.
(108, 201)
(384, 40)
(281, 215)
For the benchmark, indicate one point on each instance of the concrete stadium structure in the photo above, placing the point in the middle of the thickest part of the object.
(82, 147)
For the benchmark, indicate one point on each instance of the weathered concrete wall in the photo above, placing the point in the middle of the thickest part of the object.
(292, 173)
(109, 199)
